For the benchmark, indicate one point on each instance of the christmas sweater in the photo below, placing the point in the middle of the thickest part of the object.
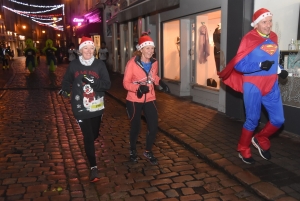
(87, 101)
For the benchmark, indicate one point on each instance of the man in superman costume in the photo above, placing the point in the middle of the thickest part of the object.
(254, 72)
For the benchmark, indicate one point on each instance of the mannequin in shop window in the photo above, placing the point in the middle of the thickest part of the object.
(217, 43)
(203, 43)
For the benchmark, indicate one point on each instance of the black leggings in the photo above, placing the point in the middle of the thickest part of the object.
(134, 111)
(90, 130)
(30, 59)
(5, 62)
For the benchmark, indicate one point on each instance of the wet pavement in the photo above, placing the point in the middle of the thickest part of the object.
(42, 152)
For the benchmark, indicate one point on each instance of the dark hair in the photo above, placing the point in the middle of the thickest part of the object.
(103, 42)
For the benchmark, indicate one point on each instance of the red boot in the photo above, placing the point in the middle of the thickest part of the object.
(261, 140)
(263, 136)
(244, 146)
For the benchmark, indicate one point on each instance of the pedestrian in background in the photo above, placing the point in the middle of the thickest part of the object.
(72, 52)
(139, 79)
(2, 56)
(89, 80)
(7, 57)
(103, 52)
(253, 71)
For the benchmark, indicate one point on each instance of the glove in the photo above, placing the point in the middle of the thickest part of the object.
(165, 87)
(143, 89)
(283, 74)
(64, 93)
(266, 65)
(88, 80)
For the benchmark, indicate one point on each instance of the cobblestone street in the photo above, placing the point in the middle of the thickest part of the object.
(41, 153)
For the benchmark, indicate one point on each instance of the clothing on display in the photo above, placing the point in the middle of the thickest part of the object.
(217, 48)
(203, 44)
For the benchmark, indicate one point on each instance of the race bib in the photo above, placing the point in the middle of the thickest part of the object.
(97, 105)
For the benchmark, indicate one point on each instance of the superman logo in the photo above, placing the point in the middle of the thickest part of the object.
(270, 48)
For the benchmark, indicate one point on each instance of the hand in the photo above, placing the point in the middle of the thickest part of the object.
(266, 65)
(64, 93)
(283, 74)
(88, 80)
(165, 87)
(143, 89)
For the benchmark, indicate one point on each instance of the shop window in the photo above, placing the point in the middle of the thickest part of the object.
(209, 56)
(135, 34)
(171, 50)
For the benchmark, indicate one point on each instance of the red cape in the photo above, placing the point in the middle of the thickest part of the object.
(250, 41)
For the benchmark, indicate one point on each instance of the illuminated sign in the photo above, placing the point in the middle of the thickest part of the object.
(78, 20)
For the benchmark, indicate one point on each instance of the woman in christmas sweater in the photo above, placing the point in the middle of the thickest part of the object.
(89, 80)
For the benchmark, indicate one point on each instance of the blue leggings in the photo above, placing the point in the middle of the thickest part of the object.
(253, 101)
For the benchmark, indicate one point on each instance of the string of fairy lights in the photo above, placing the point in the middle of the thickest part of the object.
(40, 16)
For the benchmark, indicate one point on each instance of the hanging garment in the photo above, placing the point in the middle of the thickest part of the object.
(203, 44)
(217, 49)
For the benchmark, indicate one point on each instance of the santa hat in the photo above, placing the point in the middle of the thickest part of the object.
(145, 41)
(260, 15)
(86, 41)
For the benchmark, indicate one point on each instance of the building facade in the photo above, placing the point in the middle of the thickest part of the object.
(195, 39)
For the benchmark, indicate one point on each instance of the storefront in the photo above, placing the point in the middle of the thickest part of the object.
(188, 44)
(128, 25)
(192, 51)
(192, 55)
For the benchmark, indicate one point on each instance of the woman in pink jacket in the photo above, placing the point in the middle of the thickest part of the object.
(139, 79)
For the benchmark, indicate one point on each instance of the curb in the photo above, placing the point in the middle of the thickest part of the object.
(265, 190)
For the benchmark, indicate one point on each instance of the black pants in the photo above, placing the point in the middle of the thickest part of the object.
(30, 59)
(90, 130)
(134, 111)
(5, 62)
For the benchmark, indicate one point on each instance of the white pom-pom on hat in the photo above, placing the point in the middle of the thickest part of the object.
(145, 41)
(260, 15)
(86, 41)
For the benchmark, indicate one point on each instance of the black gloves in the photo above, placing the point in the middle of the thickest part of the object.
(143, 89)
(283, 74)
(165, 87)
(89, 80)
(266, 65)
(64, 93)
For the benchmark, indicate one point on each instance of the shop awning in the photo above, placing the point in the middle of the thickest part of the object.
(145, 8)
